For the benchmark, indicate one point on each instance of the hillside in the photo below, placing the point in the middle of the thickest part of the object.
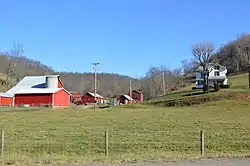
(108, 84)
(185, 96)
(230, 56)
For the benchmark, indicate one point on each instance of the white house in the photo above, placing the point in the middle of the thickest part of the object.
(217, 73)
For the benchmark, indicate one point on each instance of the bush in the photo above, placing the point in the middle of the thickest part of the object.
(197, 100)
(216, 87)
(224, 86)
(206, 88)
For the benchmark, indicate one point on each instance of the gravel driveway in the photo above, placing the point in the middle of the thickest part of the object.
(205, 162)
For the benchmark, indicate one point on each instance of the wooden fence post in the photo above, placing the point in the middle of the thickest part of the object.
(106, 143)
(202, 136)
(2, 143)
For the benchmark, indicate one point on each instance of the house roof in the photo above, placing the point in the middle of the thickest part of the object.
(97, 95)
(30, 82)
(136, 91)
(39, 90)
(210, 65)
(5, 95)
(128, 97)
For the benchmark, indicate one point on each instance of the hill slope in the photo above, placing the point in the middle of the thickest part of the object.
(108, 84)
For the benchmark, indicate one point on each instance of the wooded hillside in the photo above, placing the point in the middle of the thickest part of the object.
(109, 85)
(158, 80)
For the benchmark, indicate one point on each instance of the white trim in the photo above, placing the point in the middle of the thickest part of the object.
(13, 101)
(53, 99)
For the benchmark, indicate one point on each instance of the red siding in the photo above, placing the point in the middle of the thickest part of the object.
(61, 98)
(33, 99)
(6, 101)
(122, 100)
(87, 98)
(59, 84)
(137, 96)
(76, 96)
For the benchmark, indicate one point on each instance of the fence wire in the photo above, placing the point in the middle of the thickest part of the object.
(82, 144)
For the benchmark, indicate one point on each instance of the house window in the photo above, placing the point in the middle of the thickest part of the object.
(216, 73)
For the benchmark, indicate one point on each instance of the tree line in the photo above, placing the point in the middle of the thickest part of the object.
(158, 80)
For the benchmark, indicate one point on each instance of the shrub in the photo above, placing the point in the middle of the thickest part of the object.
(197, 100)
(206, 88)
(216, 87)
(224, 86)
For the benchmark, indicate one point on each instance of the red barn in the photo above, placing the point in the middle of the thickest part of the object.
(40, 90)
(6, 99)
(75, 96)
(125, 99)
(137, 95)
(90, 98)
(57, 97)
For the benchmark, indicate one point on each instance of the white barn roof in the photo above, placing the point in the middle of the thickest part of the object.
(97, 95)
(128, 97)
(5, 95)
(29, 82)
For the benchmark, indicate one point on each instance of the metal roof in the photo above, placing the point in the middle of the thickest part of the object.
(29, 82)
(5, 95)
(97, 95)
(38, 90)
(128, 97)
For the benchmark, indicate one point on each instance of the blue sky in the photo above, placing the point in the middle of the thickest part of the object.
(125, 36)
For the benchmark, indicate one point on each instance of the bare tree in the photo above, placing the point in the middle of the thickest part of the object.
(10, 71)
(202, 53)
(243, 50)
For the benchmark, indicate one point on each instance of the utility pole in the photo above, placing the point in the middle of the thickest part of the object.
(163, 83)
(95, 79)
(130, 91)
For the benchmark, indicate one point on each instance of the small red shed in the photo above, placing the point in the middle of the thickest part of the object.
(137, 95)
(6, 99)
(75, 96)
(55, 97)
(125, 99)
(89, 98)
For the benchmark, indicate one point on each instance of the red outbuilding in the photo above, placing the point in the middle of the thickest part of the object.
(6, 99)
(89, 98)
(75, 96)
(125, 99)
(137, 95)
(57, 97)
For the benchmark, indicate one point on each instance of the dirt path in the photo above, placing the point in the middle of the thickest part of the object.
(207, 162)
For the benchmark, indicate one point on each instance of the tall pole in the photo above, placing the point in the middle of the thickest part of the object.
(130, 91)
(163, 83)
(95, 82)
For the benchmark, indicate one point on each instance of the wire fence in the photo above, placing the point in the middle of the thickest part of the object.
(115, 143)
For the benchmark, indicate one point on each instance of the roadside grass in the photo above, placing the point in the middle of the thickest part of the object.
(146, 133)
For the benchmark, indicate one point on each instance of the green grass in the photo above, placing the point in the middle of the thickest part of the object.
(144, 133)
(239, 81)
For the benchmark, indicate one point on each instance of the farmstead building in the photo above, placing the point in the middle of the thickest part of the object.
(40, 91)
(89, 98)
(6, 99)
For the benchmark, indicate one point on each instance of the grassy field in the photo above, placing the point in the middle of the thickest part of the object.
(141, 133)
(238, 83)
(136, 132)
